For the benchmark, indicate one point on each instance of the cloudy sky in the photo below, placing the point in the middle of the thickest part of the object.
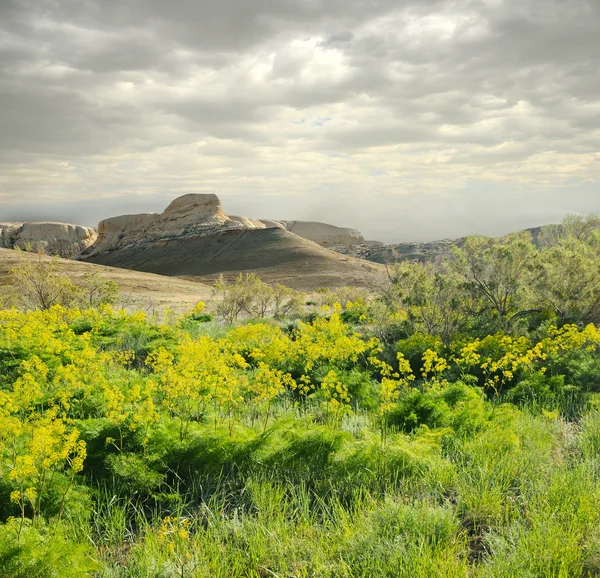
(406, 119)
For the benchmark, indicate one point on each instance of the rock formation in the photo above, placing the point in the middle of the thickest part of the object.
(194, 238)
(397, 253)
(199, 215)
(274, 254)
(189, 215)
(270, 224)
(61, 239)
(321, 233)
(426, 251)
(192, 215)
(249, 223)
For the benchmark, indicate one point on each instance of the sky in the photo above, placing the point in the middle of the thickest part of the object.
(406, 119)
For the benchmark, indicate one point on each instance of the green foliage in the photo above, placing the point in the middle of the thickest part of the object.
(415, 346)
(39, 285)
(430, 296)
(41, 551)
(459, 407)
(508, 284)
(298, 449)
(540, 391)
(409, 540)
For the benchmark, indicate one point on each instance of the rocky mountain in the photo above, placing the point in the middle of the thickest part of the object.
(197, 215)
(322, 233)
(194, 238)
(189, 215)
(396, 253)
(276, 255)
(378, 252)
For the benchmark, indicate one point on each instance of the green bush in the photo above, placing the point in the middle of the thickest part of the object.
(37, 550)
(459, 407)
(415, 346)
(541, 391)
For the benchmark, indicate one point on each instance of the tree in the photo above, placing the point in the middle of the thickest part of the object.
(95, 290)
(579, 227)
(430, 296)
(233, 299)
(498, 272)
(286, 301)
(568, 273)
(250, 295)
(39, 286)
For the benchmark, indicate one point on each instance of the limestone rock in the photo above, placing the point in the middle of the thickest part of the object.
(61, 239)
(195, 215)
(112, 231)
(193, 209)
(248, 223)
(186, 216)
(270, 224)
(324, 234)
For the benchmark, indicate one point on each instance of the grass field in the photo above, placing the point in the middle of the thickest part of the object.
(291, 449)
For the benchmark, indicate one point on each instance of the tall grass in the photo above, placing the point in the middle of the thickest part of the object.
(518, 498)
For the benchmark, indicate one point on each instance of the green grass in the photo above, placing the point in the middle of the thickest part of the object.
(518, 498)
(454, 485)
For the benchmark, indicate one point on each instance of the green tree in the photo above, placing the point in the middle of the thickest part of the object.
(38, 285)
(95, 290)
(430, 296)
(567, 277)
(579, 227)
(498, 274)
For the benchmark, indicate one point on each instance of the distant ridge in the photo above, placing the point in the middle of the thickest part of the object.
(193, 237)
(421, 251)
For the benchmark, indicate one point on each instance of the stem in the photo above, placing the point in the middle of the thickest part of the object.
(267, 416)
(64, 496)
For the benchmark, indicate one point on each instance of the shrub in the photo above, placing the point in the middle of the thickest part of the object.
(39, 285)
(38, 551)
(415, 346)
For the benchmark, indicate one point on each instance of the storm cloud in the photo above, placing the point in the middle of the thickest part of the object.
(410, 119)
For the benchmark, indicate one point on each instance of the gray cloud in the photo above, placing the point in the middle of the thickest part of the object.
(371, 113)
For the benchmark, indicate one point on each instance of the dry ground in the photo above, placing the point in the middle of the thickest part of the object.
(137, 290)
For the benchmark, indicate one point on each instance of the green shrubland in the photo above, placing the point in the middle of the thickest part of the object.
(447, 426)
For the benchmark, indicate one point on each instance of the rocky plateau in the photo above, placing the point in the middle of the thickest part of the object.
(62, 239)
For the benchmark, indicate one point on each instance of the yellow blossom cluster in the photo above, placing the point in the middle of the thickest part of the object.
(63, 365)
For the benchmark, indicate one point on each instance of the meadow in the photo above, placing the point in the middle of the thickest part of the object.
(414, 433)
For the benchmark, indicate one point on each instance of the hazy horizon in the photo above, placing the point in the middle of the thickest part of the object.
(407, 120)
(453, 230)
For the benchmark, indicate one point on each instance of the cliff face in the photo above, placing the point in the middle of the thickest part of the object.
(61, 239)
(189, 215)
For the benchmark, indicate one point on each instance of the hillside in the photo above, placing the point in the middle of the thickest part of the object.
(137, 290)
(274, 254)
